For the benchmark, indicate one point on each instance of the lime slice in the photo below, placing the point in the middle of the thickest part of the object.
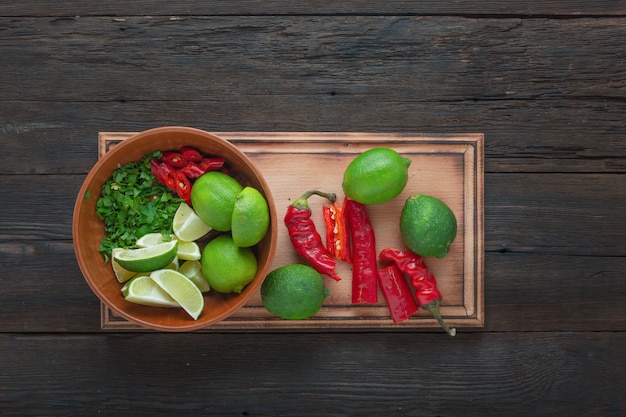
(187, 225)
(143, 290)
(121, 274)
(193, 271)
(188, 251)
(147, 259)
(181, 289)
(152, 239)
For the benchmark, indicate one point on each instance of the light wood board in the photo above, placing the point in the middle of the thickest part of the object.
(449, 167)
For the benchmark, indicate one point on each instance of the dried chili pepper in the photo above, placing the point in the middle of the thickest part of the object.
(427, 295)
(364, 269)
(174, 159)
(304, 236)
(397, 293)
(190, 154)
(337, 238)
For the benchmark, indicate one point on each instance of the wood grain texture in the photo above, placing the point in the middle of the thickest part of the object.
(512, 374)
(323, 7)
(542, 106)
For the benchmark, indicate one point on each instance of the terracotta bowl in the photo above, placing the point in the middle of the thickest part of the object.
(88, 229)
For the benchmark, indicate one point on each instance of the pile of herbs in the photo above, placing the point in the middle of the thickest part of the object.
(133, 204)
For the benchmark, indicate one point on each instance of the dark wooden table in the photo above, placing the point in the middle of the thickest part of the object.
(544, 81)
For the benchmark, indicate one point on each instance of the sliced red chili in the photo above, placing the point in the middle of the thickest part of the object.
(337, 238)
(211, 164)
(169, 175)
(190, 154)
(183, 187)
(155, 168)
(364, 268)
(192, 170)
(396, 291)
(174, 159)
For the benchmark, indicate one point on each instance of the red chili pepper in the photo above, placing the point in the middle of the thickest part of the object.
(190, 154)
(168, 174)
(364, 270)
(174, 159)
(155, 168)
(183, 187)
(397, 293)
(305, 238)
(337, 239)
(211, 164)
(192, 170)
(427, 295)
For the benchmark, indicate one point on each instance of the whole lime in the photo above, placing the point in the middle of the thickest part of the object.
(376, 176)
(428, 226)
(293, 292)
(213, 198)
(227, 267)
(251, 217)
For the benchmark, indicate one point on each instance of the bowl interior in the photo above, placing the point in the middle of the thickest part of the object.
(88, 228)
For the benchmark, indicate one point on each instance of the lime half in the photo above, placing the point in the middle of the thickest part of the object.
(181, 289)
(187, 225)
(147, 259)
(143, 290)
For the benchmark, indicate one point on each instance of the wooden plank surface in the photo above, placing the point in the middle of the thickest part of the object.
(333, 374)
(449, 167)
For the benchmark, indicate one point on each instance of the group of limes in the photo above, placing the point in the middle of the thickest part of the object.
(427, 225)
(152, 273)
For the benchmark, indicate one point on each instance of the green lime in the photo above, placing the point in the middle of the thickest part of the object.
(428, 226)
(227, 267)
(213, 198)
(251, 218)
(147, 259)
(181, 289)
(143, 290)
(376, 176)
(293, 292)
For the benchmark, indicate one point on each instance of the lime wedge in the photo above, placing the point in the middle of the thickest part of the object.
(188, 251)
(121, 274)
(147, 259)
(152, 239)
(187, 225)
(181, 289)
(193, 271)
(143, 290)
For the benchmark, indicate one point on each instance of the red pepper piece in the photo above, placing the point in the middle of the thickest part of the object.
(397, 293)
(305, 238)
(211, 164)
(169, 175)
(174, 159)
(192, 170)
(337, 239)
(155, 168)
(190, 154)
(183, 187)
(427, 295)
(364, 269)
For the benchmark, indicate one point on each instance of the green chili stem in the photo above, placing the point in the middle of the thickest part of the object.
(433, 308)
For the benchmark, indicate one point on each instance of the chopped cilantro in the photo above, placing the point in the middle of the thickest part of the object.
(133, 203)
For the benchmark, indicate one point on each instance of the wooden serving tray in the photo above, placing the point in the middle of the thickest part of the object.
(449, 167)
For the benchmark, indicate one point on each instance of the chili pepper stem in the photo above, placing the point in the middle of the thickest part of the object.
(332, 197)
(433, 308)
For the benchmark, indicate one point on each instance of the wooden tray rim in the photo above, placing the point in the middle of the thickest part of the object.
(469, 144)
